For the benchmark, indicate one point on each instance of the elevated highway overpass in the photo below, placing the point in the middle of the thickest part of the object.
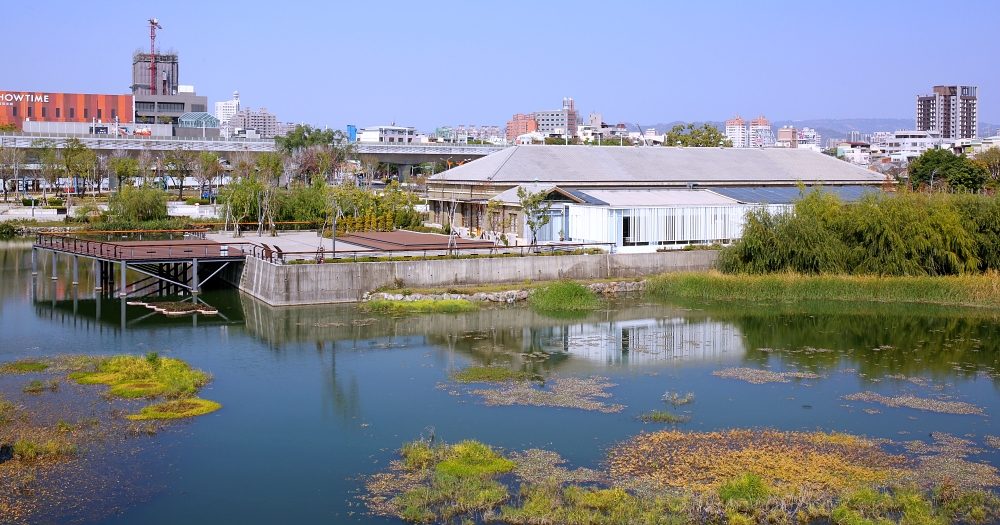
(403, 155)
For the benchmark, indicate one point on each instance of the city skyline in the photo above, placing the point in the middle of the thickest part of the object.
(664, 63)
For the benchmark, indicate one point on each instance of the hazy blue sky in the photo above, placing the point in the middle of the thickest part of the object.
(447, 63)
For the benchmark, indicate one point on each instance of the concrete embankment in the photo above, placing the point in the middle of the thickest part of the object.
(348, 282)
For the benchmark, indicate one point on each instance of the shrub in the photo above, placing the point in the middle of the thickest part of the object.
(138, 203)
(7, 230)
(30, 201)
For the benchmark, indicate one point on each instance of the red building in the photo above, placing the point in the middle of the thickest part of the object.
(16, 106)
(520, 125)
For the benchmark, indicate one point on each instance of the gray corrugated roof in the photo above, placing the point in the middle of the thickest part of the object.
(653, 166)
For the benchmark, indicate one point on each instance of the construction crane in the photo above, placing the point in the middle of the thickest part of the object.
(154, 24)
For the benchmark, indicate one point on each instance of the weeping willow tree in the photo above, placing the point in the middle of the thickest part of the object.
(134, 204)
(882, 234)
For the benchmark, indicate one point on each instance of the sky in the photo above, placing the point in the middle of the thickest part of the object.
(437, 63)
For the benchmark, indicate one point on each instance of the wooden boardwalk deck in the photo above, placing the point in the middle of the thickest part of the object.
(146, 251)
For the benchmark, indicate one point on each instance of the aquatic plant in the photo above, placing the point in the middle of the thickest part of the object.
(383, 306)
(567, 392)
(144, 376)
(919, 403)
(828, 478)
(759, 377)
(675, 399)
(564, 296)
(491, 374)
(661, 416)
(176, 409)
(28, 450)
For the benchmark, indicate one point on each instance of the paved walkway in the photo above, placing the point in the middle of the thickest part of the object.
(293, 241)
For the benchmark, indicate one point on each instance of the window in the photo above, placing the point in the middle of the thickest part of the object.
(98, 112)
(145, 106)
(43, 112)
(170, 107)
(114, 113)
(195, 107)
(57, 112)
(15, 110)
(72, 112)
(86, 113)
(29, 111)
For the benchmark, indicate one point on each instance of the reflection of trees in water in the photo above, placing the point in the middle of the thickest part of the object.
(877, 339)
(343, 400)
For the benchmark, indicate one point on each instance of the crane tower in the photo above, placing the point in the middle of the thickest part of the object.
(153, 26)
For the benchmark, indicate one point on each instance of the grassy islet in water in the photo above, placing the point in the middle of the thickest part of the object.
(384, 306)
(564, 296)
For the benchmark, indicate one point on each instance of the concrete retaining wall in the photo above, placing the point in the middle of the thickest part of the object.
(347, 282)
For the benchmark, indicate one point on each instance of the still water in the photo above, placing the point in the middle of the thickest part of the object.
(314, 397)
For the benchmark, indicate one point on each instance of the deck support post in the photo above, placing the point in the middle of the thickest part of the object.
(34, 261)
(99, 279)
(123, 292)
(76, 270)
(54, 276)
(195, 288)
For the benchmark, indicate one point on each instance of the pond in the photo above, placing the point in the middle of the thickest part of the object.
(315, 397)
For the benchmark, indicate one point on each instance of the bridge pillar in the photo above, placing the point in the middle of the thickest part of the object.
(54, 277)
(34, 261)
(403, 171)
(98, 278)
(76, 270)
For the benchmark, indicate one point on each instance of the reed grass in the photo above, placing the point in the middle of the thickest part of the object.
(384, 306)
(961, 290)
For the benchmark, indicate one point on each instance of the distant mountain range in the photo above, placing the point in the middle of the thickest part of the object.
(827, 128)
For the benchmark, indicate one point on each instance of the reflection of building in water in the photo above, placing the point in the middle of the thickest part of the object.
(643, 341)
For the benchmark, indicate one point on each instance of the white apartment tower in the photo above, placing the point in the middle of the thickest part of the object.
(736, 132)
(951, 110)
(760, 134)
(225, 110)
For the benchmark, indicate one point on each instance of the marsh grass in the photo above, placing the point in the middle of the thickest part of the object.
(564, 296)
(28, 450)
(37, 386)
(176, 409)
(145, 376)
(23, 366)
(491, 374)
(964, 290)
(662, 416)
(383, 306)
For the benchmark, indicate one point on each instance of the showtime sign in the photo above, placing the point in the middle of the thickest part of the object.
(23, 97)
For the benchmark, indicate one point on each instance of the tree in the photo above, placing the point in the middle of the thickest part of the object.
(941, 164)
(705, 136)
(138, 203)
(207, 168)
(535, 209)
(11, 160)
(47, 160)
(969, 175)
(179, 164)
(991, 158)
(304, 136)
(272, 166)
(124, 168)
(496, 221)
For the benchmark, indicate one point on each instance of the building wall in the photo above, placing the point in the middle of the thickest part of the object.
(952, 110)
(167, 73)
(149, 108)
(521, 124)
(736, 132)
(659, 226)
(265, 123)
(16, 106)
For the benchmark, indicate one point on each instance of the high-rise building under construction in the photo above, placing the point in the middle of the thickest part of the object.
(167, 69)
